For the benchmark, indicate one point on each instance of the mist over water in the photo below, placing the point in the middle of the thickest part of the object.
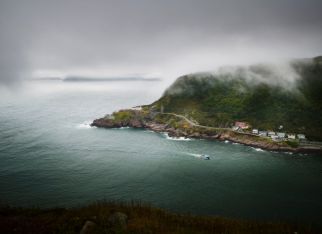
(159, 38)
(50, 156)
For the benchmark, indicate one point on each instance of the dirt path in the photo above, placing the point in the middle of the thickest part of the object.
(194, 124)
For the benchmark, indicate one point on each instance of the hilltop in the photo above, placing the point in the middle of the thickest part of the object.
(264, 96)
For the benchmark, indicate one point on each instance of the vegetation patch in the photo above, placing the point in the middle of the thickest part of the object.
(219, 100)
(122, 115)
(293, 144)
(141, 218)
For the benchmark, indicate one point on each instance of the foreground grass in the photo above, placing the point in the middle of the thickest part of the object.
(141, 219)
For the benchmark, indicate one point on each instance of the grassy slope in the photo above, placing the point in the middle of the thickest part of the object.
(219, 100)
(141, 219)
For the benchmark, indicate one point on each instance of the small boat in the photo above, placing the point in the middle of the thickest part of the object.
(205, 157)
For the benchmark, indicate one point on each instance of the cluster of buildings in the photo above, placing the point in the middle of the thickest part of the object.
(242, 126)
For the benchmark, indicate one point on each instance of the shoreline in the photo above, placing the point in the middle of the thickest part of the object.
(177, 129)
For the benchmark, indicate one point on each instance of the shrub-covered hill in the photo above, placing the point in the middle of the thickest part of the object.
(266, 96)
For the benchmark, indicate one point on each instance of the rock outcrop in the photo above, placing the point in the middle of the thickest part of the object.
(147, 121)
(88, 228)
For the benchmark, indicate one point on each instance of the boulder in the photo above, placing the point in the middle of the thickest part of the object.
(196, 134)
(104, 123)
(118, 219)
(136, 123)
(88, 227)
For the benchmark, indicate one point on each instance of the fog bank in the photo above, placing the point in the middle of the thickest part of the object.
(163, 39)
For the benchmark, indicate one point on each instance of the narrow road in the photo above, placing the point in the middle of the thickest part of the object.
(208, 127)
(309, 144)
(194, 124)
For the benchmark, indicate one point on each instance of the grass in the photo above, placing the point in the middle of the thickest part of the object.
(142, 218)
(122, 115)
(293, 144)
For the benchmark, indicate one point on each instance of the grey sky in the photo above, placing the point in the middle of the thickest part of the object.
(151, 38)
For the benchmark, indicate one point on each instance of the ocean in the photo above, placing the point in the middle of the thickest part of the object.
(50, 156)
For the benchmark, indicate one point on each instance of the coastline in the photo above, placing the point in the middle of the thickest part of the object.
(183, 128)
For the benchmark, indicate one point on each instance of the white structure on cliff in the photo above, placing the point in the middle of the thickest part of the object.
(255, 131)
(137, 108)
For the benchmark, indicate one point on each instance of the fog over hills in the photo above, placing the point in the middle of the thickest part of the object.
(266, 96)
(157, 38)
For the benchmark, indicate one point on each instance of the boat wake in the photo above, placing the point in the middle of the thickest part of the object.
(194, 155)
(200, 156)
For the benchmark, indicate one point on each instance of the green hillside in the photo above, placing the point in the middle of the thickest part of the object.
(257, 94)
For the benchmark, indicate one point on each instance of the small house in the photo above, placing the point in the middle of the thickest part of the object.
(281, 134)
(242, 125)
(137, 108)
(255, 131)
(262, 133)
(271, 133)
(291, 136)
(301, 136)
(274, 137)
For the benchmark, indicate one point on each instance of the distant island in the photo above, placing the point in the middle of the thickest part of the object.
(95, 79)
(106, 79)
(276, 108)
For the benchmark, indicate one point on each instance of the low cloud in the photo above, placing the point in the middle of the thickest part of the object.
(278, 74)
(168, 38)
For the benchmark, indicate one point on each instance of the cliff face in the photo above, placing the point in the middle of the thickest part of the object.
(124, 118)
(176, 126)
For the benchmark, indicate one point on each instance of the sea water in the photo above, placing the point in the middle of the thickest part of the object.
(50, 156)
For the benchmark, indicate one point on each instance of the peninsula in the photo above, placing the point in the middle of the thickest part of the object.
(252, 105)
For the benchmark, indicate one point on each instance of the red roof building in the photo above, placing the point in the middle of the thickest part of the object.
(242, 125)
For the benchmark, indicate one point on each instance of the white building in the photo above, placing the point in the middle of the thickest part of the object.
(262, 133)
(274, 137)
(271, 133)
(291, 136)
(255, 131)
(301, 136)
(281, 134)
(137, 108)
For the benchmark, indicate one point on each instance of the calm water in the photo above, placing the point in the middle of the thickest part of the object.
(49, 156)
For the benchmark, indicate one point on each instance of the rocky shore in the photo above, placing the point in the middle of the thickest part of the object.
(139, 119)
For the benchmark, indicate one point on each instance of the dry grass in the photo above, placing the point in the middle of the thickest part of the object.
(142, 218)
